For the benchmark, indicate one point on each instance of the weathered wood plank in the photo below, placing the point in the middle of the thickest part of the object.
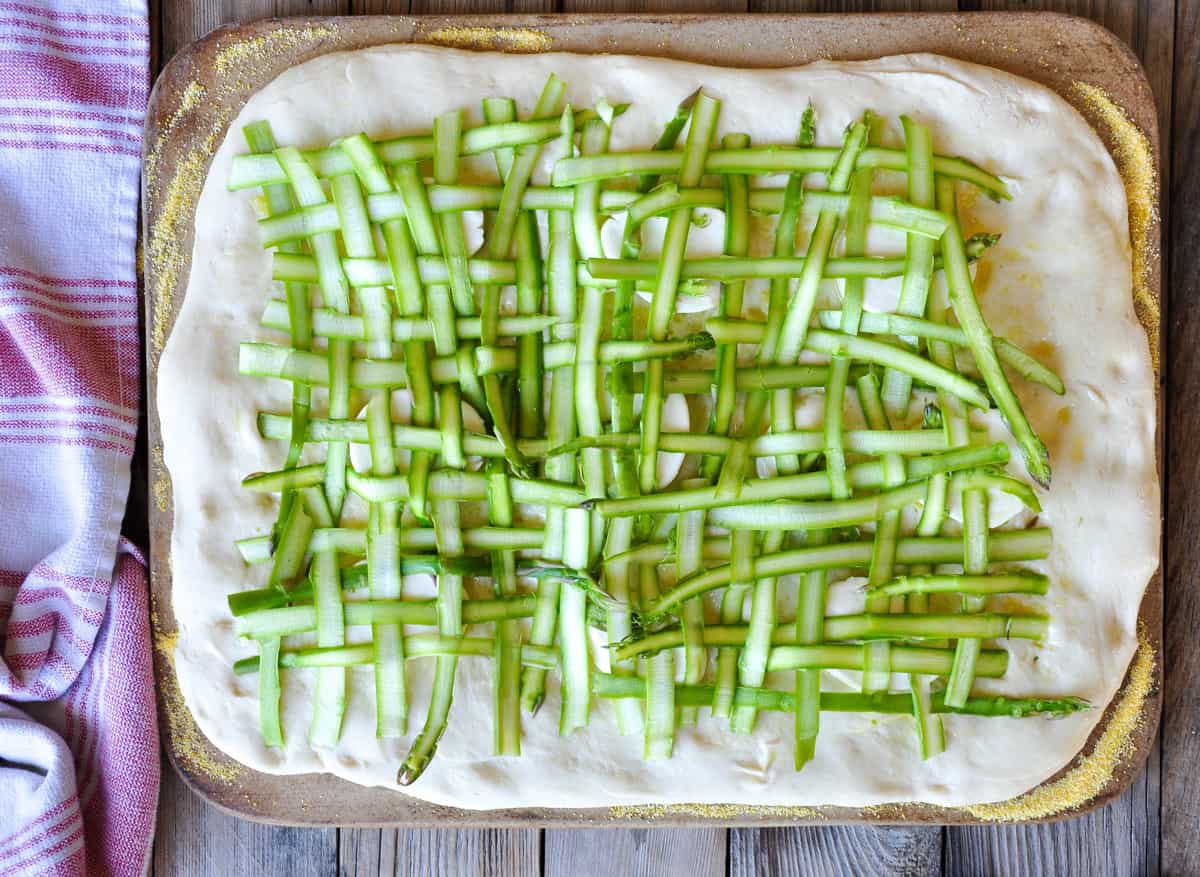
(798, 6)
(367, 852)
(1181, 707)
(183, 22)
(195, 838)
(380, 7)
(836, 850)
(1119, 839)
(635, 852)
(664, 6)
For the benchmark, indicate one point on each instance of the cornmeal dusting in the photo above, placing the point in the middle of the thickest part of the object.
(163, 250)
(508, 39)
(1135, 160)
(1085, 781)
(712, 811)
(161, 488)
(229, 58)
(191, 748)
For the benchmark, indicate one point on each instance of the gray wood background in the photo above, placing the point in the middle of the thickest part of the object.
(1153, 829)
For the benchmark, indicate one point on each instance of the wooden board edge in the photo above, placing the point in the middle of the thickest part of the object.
(168, 101)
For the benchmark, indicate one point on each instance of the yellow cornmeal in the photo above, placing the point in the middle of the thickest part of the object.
(1095, 770)
(509, 39)
(1135, 160)
(162, 492)
(164, 255)
(191, 748)
(711, 811)
(230, 57)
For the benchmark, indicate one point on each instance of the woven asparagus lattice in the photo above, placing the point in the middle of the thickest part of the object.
(524, 460)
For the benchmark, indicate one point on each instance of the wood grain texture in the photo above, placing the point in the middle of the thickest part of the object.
(801, 6)
(367, 852)
(1181, 709)
(635, 852)
(836, 850)
(186, 20)
(665, 6)
(194, 838)
(1119, 839)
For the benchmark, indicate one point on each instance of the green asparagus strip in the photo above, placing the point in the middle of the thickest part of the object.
(782, 563)
(690, 560)
(852, 307)
(507, 688)
(450, 618)
(764, 160)
(353, 578)
(659, 687)
(609, 686)
(386, 581)
(464, 487)
(269, 691)
(918, 269)
(329, 704)
(421, 645)
(251, 171)
(868, 627)
(1010, 354)
(810, 485)
(782, 401)
(662, 303)
(752, 664)
(503, 232)
(288, 620)
(737, 244)
(572, 626)
(979, 338)
(560, 426)
(336, 292)
(528, 281)
(1006, 546)
(329, 324)
(1004, 583)
(877, 676)
(801, 441)
(742, 548)
(810, 629)
(586, 225)
(605, 271)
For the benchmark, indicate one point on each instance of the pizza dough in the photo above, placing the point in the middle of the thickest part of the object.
(1058, 282)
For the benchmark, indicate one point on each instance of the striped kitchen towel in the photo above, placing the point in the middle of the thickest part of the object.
(78, 740)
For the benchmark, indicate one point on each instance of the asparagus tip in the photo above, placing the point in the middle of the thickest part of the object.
(412, 769)
(1037, 463)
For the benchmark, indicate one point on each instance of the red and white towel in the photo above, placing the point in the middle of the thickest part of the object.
(78, 740)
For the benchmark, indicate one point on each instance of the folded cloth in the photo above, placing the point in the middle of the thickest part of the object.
(78, 740)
